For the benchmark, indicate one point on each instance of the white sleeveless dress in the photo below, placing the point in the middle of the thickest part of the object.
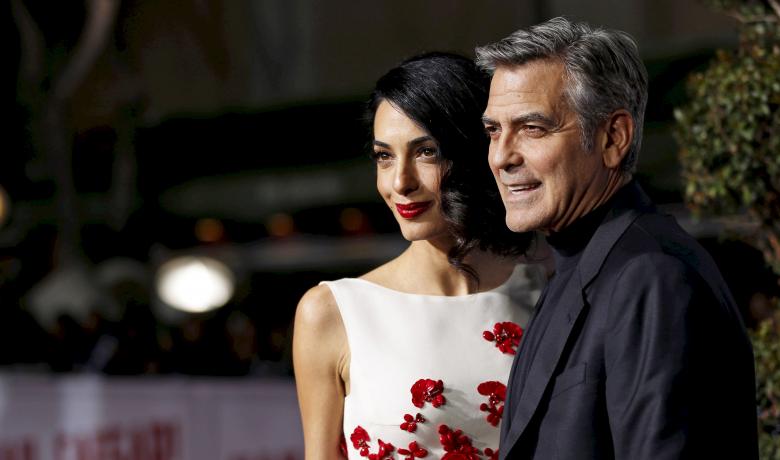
(428, 373)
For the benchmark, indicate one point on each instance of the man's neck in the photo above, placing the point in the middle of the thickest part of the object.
(615, 181)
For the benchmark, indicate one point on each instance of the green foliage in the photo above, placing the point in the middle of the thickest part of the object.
(730, 131)
(766, 347)
(729, 136)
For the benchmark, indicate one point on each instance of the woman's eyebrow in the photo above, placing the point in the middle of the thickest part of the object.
(419, 140)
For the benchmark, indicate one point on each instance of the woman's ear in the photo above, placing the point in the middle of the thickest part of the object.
(617, 137)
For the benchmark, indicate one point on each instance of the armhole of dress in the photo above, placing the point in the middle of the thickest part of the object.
(335, 290)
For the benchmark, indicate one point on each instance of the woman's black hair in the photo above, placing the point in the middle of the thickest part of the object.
(445, 94)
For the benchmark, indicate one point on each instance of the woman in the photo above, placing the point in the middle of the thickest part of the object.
(410, 359)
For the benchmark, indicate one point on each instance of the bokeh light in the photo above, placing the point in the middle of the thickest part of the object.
(195, 284)
(5, 206)
(352, 220)
(209, 230)
(280, 225)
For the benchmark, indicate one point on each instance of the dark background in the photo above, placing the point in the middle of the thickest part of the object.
(234, 130)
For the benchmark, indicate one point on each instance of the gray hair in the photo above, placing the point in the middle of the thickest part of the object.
(602, 68)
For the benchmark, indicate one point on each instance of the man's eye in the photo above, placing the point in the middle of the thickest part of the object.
(534, 130)
(491, 131)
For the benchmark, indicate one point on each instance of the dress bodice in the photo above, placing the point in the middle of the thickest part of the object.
(427, 373)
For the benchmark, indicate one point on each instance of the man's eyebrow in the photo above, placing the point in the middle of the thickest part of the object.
(488, 121)
(533, 117)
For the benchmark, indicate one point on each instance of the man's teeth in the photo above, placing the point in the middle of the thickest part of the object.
(521, 188)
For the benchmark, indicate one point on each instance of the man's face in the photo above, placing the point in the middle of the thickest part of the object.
(546, 178)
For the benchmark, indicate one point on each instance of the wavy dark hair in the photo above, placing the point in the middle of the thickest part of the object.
(445, 94)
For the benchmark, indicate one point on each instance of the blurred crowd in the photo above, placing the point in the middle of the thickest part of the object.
(226, 342)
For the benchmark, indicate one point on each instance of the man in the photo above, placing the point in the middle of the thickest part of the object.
(636, 350)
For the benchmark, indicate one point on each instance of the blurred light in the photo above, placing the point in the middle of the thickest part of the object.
(5, 206)
(195, 284)
(280, 224)
(352, 220)
(209, 230)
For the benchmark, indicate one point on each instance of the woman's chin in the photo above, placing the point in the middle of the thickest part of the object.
(412, 234)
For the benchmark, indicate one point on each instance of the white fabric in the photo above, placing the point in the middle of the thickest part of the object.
(397, 338)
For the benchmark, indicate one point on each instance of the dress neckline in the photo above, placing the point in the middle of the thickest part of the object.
(498, 288)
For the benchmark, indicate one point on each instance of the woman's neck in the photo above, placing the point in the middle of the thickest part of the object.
(424, 269)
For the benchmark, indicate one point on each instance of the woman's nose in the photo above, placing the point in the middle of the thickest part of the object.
(406, 180)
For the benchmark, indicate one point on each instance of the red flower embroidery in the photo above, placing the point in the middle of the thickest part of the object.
(343, 446)
(410, 423)
(385, 451)
(457, 445)
(360, 439)
(455, 456)
(496, 393)
(414, 451)
(428, 390)
(507, 336)
(492, 454)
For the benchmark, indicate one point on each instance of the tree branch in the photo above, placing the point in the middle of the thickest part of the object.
(31, 38)
(751, 19)
(775, 6)
(101, 15)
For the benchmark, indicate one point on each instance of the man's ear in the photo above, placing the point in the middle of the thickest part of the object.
(616, 139)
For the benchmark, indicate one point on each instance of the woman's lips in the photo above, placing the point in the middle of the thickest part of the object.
(412, 210)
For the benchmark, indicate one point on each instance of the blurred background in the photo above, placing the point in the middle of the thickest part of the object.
(177, 174)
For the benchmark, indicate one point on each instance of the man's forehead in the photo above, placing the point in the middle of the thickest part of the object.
(539, 76)
(535, 86)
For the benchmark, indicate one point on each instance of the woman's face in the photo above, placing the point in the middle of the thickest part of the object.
(408, 172)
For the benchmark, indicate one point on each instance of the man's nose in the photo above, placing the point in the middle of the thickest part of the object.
(504, 153)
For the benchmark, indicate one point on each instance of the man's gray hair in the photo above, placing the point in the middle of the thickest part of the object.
(603, 72)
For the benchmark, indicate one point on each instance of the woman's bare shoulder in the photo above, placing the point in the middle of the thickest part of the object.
(318, 309)
(319, 337)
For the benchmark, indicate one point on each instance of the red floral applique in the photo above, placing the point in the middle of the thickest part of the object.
(385, 451)
(428, 390)
(343, 446)
(507, 336)
(457, 445)
(456, 456)
(491, 454)
(410, 423)
(496, 393)
(414, 451)
(360, 439)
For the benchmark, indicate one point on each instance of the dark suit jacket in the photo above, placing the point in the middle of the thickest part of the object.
(645, 356)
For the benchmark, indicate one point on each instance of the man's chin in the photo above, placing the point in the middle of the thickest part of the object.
(520, 225)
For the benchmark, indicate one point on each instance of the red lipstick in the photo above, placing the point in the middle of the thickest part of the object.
(412, 210)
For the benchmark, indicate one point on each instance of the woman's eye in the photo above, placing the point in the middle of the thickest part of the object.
(428, 152)
(381, 157)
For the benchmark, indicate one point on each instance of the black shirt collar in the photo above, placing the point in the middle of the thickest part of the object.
(569, 243)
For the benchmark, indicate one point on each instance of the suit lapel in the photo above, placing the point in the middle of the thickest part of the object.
(546, 359)
(509, 396)
(628, 205)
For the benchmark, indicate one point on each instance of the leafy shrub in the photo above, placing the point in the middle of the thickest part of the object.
(729, 136)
